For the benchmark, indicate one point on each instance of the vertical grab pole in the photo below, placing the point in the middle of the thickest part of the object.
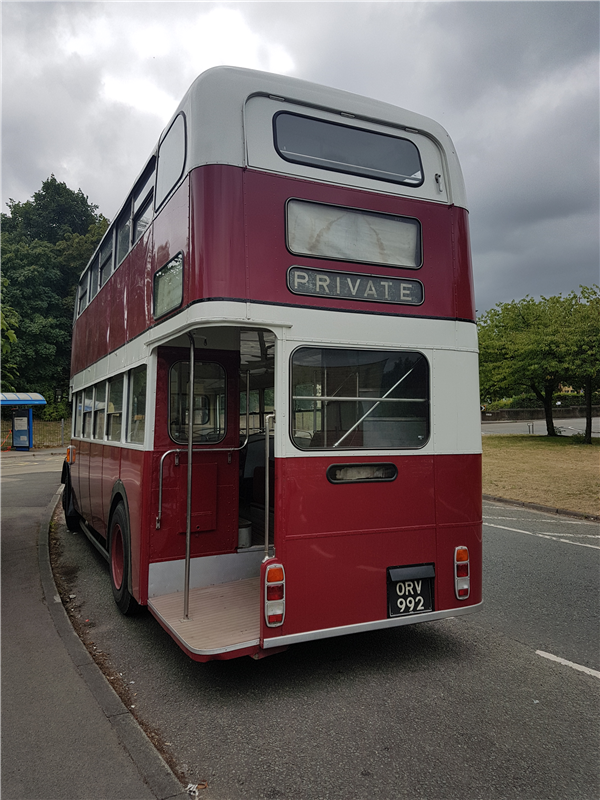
(268, 419)
(188, 522)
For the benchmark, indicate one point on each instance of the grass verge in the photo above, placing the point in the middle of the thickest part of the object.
(557, 472)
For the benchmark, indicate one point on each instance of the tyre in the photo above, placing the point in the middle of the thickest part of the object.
(119, 560)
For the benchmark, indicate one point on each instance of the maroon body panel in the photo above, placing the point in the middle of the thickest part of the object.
(336, 541)
(265, 200)
(234, 248)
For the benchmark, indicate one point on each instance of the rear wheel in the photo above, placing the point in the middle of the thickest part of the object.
(71, 516)
(119, 552)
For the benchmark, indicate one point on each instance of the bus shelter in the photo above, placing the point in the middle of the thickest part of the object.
(22, 416)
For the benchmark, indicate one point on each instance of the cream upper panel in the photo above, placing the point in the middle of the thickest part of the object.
(230, 111)
(262, 153)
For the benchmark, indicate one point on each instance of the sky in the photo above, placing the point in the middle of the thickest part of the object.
(88, 87)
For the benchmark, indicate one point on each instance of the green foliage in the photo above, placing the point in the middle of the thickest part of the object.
(46, 243)
(52, 213)
(9, 320)
(531, 346)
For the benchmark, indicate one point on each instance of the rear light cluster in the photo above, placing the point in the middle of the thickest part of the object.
(274, 595)
(462, 579)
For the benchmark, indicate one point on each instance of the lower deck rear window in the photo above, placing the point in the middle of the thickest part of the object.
(359, 399)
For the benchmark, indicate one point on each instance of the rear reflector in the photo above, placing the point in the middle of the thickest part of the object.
(462, 580)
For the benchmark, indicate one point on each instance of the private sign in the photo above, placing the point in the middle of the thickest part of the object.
(354, 286)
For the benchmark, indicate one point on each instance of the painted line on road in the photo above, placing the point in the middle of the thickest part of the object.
(542, 535)
(593, 672)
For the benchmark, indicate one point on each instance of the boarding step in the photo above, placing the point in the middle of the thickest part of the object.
(221, 618)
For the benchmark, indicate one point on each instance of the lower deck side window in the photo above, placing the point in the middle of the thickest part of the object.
(353, 399)
(136, 424)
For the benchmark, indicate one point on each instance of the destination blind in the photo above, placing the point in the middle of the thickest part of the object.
(354, 286)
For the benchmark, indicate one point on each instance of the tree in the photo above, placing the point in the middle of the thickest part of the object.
(46, 243)
(52, 213)
(530, 345)
(9, 320)
(582, 335)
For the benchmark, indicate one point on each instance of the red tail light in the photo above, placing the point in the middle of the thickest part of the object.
(462, 579)
(274, 595)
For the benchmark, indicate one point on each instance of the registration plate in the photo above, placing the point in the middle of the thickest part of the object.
(411, 595)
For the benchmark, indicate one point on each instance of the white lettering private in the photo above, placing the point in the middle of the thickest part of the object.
(322, 281)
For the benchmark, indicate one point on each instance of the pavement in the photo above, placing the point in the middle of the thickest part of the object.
(66, 735)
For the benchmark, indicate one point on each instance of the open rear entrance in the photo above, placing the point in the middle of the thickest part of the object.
(211, 516)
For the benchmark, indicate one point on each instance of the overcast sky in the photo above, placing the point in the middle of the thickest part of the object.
(88, 87)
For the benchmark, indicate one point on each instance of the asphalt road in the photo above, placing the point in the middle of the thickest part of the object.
(464, 708)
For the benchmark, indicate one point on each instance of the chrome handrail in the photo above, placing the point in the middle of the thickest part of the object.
(190, 450)
(268, 419)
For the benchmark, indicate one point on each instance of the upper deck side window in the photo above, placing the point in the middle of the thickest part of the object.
(120, 238)
(106, 251)
(171, 159)
(342, 148)
(142, 201)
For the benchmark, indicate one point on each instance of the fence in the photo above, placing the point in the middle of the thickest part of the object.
(45, 433)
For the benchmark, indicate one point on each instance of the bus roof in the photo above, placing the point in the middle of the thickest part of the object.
(226, 91)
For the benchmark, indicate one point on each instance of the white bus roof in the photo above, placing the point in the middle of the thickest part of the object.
(224, 92)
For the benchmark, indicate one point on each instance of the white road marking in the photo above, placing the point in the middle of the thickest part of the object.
(542, 535)
(594, 673)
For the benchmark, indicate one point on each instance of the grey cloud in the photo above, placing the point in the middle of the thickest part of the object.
(515, 84)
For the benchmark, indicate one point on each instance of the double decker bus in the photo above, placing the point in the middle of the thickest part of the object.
(276, 431)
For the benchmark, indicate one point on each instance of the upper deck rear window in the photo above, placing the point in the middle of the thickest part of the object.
(332, 146)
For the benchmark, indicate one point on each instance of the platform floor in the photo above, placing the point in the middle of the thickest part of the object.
(220, 617)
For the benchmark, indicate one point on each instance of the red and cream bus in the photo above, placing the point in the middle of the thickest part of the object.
(276, 430)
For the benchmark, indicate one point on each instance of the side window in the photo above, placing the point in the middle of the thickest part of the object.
(78, 426)
(359, 399)
(106, 258)
(114, 409)
(123, 233)
(99, 411)
(94, 279)
(137, 405)
(142, 202)
(83, 294)
(209, 402)
(88, 402)
(168, 286)
(171, 159)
